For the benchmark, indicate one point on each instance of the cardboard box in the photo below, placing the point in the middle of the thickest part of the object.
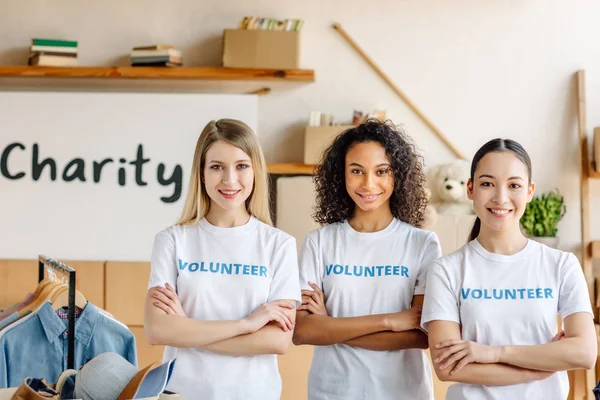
(317, 139)
(243, 48)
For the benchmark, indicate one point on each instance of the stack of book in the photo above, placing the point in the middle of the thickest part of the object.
(53, 53)
(156, 56)
(270, 24)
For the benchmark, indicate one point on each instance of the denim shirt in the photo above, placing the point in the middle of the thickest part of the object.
(38, 347)
(12, 317)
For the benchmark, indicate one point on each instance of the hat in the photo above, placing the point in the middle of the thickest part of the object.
(109, 376)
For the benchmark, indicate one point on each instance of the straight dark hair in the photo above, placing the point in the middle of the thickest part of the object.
(497, 145)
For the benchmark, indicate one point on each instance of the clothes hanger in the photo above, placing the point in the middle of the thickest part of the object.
(60, 298)
(50, 287)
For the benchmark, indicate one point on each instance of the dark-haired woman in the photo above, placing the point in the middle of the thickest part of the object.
(364, 272)
(491, 307)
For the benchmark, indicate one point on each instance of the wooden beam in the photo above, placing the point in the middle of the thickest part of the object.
(595, 249)
(400, 93)
(587, 376)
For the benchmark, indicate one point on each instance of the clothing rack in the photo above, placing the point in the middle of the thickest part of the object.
(45, 262)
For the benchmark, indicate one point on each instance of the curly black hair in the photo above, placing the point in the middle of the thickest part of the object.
(408, 200)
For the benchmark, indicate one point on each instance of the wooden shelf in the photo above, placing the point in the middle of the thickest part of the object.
(595, 249)
(190, 73)
(290, 169)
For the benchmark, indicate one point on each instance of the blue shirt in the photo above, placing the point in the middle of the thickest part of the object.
(38, 347)
(12, 317)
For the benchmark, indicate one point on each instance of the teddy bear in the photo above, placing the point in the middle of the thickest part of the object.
(448, 185)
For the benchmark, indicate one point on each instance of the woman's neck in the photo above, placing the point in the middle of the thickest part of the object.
(222, 218)
(502, 242)
(371, 221)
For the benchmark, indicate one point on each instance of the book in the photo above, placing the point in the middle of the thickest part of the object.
(156, 64)
(139, 60)
(51, 53)
(154, 47)
(55, 49)
(53, 61)
(53, 42)
(156, 53)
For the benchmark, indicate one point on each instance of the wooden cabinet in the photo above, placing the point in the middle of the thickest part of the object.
(19, 277)
(126, 287)
(147, 354)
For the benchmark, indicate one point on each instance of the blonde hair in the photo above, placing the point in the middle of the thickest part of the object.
(238, 134)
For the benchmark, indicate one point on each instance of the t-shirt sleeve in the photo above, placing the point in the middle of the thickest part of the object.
(163, 266)
(573, 293)
(310, 265)
(285, 284)
(432, 252)
(441, 298)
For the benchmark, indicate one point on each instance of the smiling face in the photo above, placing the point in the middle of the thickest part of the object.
(228, 176)
(369, 177)
(500, 190)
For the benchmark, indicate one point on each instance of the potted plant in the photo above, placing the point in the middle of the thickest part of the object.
(541, 217)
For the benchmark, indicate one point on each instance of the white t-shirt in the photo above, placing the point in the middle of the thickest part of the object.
(363, 274)
(506, 300)
(225, 274)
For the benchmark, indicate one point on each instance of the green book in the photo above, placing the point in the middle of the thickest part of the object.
(53, 42)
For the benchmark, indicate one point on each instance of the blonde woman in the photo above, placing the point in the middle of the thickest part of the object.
(224, 282)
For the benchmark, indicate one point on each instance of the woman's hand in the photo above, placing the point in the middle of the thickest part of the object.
(464, 352)
(313, 301)
(167, 300)
(279, 311)
(404, 320)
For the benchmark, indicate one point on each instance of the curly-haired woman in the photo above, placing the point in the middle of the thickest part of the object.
(364, 272)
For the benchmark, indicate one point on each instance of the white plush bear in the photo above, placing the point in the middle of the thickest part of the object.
(448, 185)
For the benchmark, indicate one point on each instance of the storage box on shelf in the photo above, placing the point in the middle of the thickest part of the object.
(316, 140)
(244, 48)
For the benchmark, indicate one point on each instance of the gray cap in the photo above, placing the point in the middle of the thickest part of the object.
(104, 377)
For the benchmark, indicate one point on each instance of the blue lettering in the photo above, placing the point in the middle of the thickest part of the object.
(486, 295)
(226, 269)
(182, 265)
(548, 293)
(497, 296)
(388, 269)
(530, 294)
(478, 295)
(338, 269)
(347, 271)
(379, 268)
(396, 270)
(237, 268)
(538, 293)
(521, 292)
(358, 272)
(246, 270)
(369, 271)
(255, 270)
(263, 271)
(508, 293)
(214, 267)
(328, 269)
(465, 293)
(193, 267)
(404, 271)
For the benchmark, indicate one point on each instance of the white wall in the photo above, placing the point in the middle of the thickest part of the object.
(478, 69)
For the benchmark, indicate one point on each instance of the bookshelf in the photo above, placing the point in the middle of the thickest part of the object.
(290, 169)
(178, 73)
